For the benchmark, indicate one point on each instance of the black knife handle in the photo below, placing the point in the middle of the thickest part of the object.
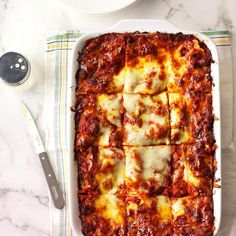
(53, 185)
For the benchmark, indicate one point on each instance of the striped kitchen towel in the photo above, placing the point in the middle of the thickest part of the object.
(59, 51)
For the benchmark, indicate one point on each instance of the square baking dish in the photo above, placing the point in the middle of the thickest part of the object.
(142, 26)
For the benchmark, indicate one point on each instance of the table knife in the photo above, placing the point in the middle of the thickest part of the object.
(39, 149)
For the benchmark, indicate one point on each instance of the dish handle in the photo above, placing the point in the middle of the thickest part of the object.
(152, 25)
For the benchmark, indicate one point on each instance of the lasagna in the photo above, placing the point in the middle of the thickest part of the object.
(144, 141)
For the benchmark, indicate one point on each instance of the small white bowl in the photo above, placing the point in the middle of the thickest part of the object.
(97, 7)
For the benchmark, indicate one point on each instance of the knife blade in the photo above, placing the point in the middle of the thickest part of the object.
(39, 149)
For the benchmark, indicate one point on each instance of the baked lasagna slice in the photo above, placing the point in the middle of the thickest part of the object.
(193, 216)
(98, 120)
(193, 169)
(145, 64)
(101, 170)
(149, 216)
(102, 215)
(191, 118)
(147, 169)
(189, 66)
(101, 64)
(146, 119)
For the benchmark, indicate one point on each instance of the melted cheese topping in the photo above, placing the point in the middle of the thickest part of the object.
(145, 77)
(108, 106)
(111, 105)
(118, 81)
(170, 71)
(178, 207)
(189, 176)
(110, 207)
(179, 120)
(146, 117)
(192, 170)
(164, 208)
(178, 64)
(104, 137)
(100, 64)
(147, 164)
(111, 170)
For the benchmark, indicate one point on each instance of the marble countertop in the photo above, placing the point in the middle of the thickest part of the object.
(24, 26)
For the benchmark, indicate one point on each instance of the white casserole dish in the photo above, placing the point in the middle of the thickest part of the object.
(131, 26)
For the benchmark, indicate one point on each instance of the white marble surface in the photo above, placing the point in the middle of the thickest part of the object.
(24, 26)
